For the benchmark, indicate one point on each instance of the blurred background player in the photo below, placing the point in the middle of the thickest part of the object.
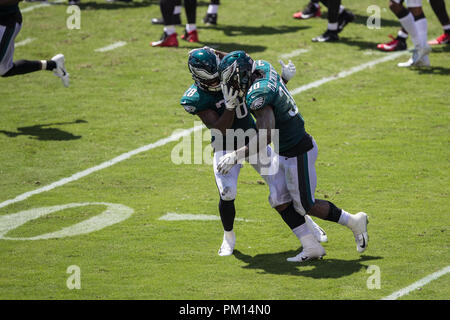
(10, 25)
(204, 98)
(338, 18)
(209, 19)
(171, 10)
(399, 43)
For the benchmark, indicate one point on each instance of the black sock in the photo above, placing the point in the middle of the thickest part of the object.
(51, 65)
(292, 218)
(441, 12)
(333, 10)
(227, 213)
(167, 7)
(23, 67)
(191, 10)
(334, 213)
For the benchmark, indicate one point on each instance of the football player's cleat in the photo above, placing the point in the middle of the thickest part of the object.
(166, 41)
(397, 44)
(358, 224)
(442, 39)
(345, 18)
(313, 250)
(328, 36)
(60, 70)
(190, 36)
(310, 11)
(419, 58)
(316, 230)
(210, 19)
(203, 65)
(227, 247)
(236, 70)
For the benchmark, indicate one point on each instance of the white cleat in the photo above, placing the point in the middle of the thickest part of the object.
(419, 58)
(227, 247)
(316, 230)
(358, 224)
(60, 70)
(311, 250)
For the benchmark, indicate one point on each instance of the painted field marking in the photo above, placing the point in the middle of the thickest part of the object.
(172, 216)
(293, 53)
(103, 165)
(41, 5)
(183, 133)
(24, 42)
(418, 284)
(110, 47)
(348, 72)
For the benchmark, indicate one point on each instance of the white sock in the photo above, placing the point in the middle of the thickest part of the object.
(333, 26)
(177, 10)
(402, 34)
(212, 9)
(229, 235)
(446, 27)
(343, 219)
(301, 231)
(169, 30)
(341, 9)
(191, 27)
(44, 65)
(422, 28)
(409, 25)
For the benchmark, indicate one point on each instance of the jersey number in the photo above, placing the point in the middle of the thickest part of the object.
(241, 110)
(283, 91)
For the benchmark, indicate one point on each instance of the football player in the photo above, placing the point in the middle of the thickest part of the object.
(10, 25)
(338, 18)
(204, 98)
(399, 43)
(274, 108)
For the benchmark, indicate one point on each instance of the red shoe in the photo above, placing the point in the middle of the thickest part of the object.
(442, 39)
(311, 11)
(166, 41)
(190, 36)
(397, 44)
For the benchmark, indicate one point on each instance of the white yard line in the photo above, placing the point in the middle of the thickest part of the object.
(112, 46)
(348, 72)
(103, 165)
(293, 53)
(186, 132)
(41, 5)
(24, 42)
(418, 284)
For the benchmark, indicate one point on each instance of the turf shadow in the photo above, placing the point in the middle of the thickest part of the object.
(91, 5)
(41, 132)
(275, 263)
(434, 70)
(233, 31)
(359, 19)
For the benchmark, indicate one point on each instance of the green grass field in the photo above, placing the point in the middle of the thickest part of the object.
(382, 132)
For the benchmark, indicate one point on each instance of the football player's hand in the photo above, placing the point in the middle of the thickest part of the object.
(227, 162)
(287, 70)
(231, 97)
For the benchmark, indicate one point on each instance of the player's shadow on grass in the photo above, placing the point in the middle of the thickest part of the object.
(275, 263)
(91, 5)
(233, 31)
(228, 47)
(44, 132)
(359, 19)
(363, 45)
(434, 70)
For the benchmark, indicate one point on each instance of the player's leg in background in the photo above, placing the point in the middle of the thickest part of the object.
(211, 14)
(331, 34)
(191, 33)
(169, 36)
(176, 14)
(398, 43)
(227, 187)
(440, 10)
(311, 10)
(9, 68)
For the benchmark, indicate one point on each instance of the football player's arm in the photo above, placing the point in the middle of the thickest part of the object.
(4, 3)
(213, 121)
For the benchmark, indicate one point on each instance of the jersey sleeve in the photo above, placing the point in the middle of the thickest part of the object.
(191, 101)
(259, 96)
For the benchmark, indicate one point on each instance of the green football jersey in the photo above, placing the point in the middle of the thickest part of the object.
(195, 100)
(271, 90)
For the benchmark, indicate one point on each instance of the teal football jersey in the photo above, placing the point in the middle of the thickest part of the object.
(195, 100)
(271, 90)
